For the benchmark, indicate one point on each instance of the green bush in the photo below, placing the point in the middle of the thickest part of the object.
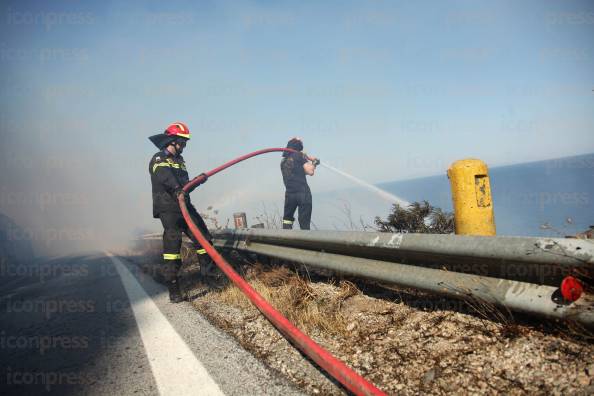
(417, 218)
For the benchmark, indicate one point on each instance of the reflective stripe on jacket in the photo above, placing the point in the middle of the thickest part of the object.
(168, 175)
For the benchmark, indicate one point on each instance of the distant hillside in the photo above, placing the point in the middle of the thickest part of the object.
(525, 196)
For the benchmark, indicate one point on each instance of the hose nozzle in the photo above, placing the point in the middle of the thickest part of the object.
(316, 162)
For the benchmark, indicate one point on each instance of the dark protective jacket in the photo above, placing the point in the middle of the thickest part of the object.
(293, 172)
(168, 176)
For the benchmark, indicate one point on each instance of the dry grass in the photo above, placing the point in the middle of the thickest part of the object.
(309, 308)
(508, 327)
(395, 342)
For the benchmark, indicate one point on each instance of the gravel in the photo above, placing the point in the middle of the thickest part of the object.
(411, 344)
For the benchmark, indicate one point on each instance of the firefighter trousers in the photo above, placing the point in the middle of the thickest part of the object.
(173, 226)
(294, 201)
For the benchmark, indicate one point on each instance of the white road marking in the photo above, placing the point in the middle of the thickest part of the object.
(176, 369)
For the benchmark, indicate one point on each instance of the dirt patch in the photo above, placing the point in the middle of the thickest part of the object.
(402, 341)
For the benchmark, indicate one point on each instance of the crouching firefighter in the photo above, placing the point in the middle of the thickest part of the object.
(294, 167)
(168, 175)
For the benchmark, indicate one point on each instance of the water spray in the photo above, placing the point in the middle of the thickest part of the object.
(378, 191)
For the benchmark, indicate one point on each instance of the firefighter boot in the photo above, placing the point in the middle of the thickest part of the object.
(175, 295)
(208, 269)
(170, 269)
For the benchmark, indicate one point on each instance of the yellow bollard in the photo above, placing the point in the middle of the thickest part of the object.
(471, 195)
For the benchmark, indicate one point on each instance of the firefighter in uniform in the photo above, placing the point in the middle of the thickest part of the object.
(294, 167)
(168, 175)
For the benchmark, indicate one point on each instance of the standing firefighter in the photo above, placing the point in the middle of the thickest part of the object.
(168, 175)
(294, 167)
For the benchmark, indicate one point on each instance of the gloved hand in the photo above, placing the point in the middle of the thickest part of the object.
(313, 160)
(180, 191)
(204, 178)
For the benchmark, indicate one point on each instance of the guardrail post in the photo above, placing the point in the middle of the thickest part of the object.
(240, 220)
(471, 196)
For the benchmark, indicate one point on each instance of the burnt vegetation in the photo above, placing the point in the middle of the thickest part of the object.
(418, 217)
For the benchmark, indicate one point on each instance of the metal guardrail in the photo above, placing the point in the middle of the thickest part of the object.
(414, 260)
(520, 273)
(535, 260)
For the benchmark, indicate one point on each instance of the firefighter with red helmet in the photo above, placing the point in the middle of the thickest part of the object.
(168, 175)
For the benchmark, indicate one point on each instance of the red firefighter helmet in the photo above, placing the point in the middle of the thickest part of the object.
(178, 129)
(173, 133)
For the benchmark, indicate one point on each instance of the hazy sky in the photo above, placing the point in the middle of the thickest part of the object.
(381, 89)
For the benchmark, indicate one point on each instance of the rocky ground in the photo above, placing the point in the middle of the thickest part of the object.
(402, 341)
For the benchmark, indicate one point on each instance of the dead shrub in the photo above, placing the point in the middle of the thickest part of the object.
(306, 306)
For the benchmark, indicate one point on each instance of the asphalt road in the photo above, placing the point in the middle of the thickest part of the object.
(94, 324)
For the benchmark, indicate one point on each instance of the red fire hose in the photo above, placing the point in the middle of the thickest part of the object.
(333, 366)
